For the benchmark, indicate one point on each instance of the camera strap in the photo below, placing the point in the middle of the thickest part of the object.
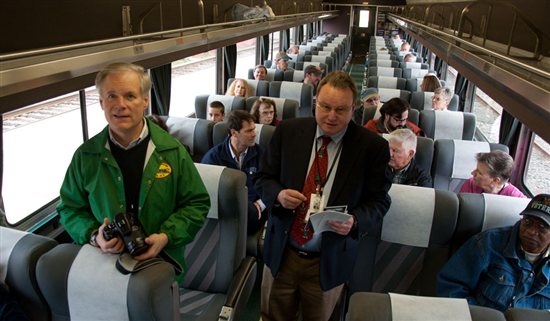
(126, 264)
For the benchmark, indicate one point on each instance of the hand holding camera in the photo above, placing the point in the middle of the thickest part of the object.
(125, 226)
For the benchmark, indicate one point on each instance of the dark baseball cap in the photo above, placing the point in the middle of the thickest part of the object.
(539, 207)
(282, 55)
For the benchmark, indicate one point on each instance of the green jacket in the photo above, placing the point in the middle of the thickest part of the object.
(173, 199)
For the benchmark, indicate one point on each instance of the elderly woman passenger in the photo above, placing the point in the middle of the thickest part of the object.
(430, 82)
(264, 112)
(239, 87)
(441, 98)
(491, 175)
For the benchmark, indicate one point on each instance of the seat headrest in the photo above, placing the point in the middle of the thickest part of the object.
(502, 210)
(211, 175)
(421, 308)
(291, 90)
(10, 238)
(183, 129)
(387, 82)
(464, 160)
(448, 125)
(407, 224)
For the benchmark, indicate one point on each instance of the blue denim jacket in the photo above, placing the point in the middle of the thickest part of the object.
(488, 271)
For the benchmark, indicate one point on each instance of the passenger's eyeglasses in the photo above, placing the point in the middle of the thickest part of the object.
(437, 98)
(373, 99)
(399, 120)
(541, 228)
(338, 110)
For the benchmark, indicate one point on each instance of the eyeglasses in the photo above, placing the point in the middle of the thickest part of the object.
(399, 120)
(373, 99)
(540, 227)
(437, 98)
(338, 110)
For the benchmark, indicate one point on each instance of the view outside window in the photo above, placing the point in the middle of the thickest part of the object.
(537, 176)
(246, 53)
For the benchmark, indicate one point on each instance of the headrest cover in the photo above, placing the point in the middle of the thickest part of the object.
(448, 125)
(428, 100)
(502, 210)
(9, 238)
(211, 175)
(387, 82)
(406, 224)
(183, 129)
(291, 90)
(421, 308)
(464, 160)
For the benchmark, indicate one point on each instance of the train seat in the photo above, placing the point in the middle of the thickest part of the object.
(82, 283)
(294, 75)
(448, 124)
(286, 108)
(219, 278)
(272, 74)
(409, 73)
(413, 65)
(414, 244)
(327, 60)
(383, 63)
(192, 132)
(374, 113)
(454, 161)
(518, 314)
(479, 212)
(259, 87)
(296, 57)
(263, 134)
(368, 306)
(301, 65)
(297, 91)
(229, 102)
(331, 53)
(422, 100)
(384, 71)
(19, 253)
(387, 82)
(400, 58)
(413, 84)
(381, 55)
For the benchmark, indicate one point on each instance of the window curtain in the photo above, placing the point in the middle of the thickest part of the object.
(230, 63)
(509, 131)
(438, 64)
(264, 48)
(286, 39)
(161, 78)
(461, 86)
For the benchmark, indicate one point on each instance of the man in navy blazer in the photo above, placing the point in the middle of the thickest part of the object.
(310, 276)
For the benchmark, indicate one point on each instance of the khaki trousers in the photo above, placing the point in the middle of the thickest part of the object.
(297, 290)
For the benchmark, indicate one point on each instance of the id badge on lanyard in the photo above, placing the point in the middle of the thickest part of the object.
(316, 204)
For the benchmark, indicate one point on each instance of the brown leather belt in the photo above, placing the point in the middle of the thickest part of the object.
(304, 254)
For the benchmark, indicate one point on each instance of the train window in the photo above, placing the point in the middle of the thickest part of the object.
(537, 176)
(192, 76)
(364, 18)
(292, 35)
(95, 117)
(274, 43)
(451, 75)
(488, 113)
(246, 55)
(39, 142)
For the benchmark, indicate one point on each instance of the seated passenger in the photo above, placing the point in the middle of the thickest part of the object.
(394, 115)
(402, 161)
(405, 46)
(312, 76)
(294, 50)
(216, 111)
(239, 87)
(260, 72)
(409, 58)
(430, 83)
(441, 98)
(491, 175)
(240, 151)
(369, 98)
(264, 112)
(396, 36)
(504, 267)
(281, 61)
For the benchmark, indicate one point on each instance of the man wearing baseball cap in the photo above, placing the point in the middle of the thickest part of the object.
(312, 76)
(281, 61)
(504, 267)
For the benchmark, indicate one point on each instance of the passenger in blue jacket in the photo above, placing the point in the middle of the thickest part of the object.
(504, 267)
(240, 151)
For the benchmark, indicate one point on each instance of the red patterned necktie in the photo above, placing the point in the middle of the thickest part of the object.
(301, 232)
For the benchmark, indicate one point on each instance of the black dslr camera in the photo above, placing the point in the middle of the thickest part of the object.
(125, 226)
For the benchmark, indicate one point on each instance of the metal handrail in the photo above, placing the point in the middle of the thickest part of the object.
(37, 52)
(459, 40)
(517, 13)
(147, 12)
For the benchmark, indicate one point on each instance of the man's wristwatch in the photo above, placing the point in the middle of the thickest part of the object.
(93, 237)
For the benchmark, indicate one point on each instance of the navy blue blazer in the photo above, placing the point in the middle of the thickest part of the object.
(361, 182)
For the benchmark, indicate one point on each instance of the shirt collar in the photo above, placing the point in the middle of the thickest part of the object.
(243, 154)
(335, 138)
(144, 133)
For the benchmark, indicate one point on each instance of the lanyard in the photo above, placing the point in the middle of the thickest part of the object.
(318, 181)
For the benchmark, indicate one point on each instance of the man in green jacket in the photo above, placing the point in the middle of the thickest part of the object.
(132, 166)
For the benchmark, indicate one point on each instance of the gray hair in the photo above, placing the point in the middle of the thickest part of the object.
(118, 67)
(500, 164)
(404, 136)
(445, 92)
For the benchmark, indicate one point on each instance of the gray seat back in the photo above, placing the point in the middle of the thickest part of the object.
(448, 124)
(229, 102)
(294, 75)
(455, 159)
(386, 82)
(409, 73)
(383, 63)
(19, 253)
(192, 132)
(422, 100)
(518, 314)
(295, 91)
(75, 280)
(259, 87)
(384, 71)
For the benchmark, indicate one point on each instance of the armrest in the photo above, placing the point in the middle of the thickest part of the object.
(239, 289)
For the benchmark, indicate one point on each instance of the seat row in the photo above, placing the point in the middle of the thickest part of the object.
(72, 282)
